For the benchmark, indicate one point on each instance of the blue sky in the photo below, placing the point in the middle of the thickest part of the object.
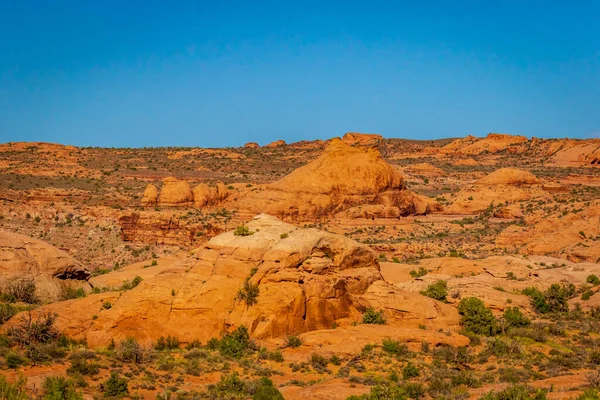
(221, 73)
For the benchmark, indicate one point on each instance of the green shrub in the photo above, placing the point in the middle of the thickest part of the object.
(235, 344)
(394, 347)
(586, 295)
(81, 365)
(266, 391)
(418, 273)
(168, 343)
(437, 290)
(476, 317)
(229, 385)
(129, 350)
(14, 360)
(516, 392)
(242, 230)
(107, 305)
(393, 391)
(515, 318)
(248, 293)
(13, 391)
(410, 371)
(370, 316)
(21, 290)
(6, 312)
(34, 329)
(555, 299)
(59, 388)
(69, 293)
(115, 386)
(593, 280)
(284, 236)
(293, 341)
(589, 394)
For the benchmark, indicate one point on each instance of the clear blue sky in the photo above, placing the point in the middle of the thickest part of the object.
(221, 73)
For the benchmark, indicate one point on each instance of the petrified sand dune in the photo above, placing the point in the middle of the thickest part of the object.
(307, 280)
(175, 192)
(503, 186)
(22, 257)
(492, 143)
(362, 139)
(341, 178)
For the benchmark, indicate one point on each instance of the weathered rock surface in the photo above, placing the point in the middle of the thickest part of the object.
(362, 139)
(175, 192)
(22, 257)
(503, 186)
(307, 280)
(251, 145)
(150, 195)
(276, 143)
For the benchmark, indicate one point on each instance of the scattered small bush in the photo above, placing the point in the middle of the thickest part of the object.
(60, 388)
(437, 290)
(242, 230)
(371, 316)
(235, 344)
(168, 343)
(476, 317)
(115, 386)
(593, 280)
(293, 341)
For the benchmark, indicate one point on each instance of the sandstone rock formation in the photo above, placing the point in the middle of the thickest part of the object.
(492, 143)
(276, 143)
(205, 195)
(509, 176)
(175, 192)
(503, 186)
(22, 257)
(362, 139)
(150, 195)
(341, 178)
(251, 145)
(307, 279)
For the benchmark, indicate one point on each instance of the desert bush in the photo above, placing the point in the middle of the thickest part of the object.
(167, 343)
(393, 391)
(371, 316)
(6, 312)
(194, 344)
(60, 388)
(589, 394)
(228, 387)
(513, 317)
(41, 352)
(68, 293)
(235, 344)
(13, 391)
(80, 364)
(31, 330)
(410, 371)
(394, 347)
(555, 299)
(293, 341)
(14, 360)
(437, 290)
(516, 392)
(129, 350)
(248, 293)
(20, 290)
(476, 317)
(586, 295)
(265, 390)
(418, 273)
(593, 280)
(242, 230)
(115, 386)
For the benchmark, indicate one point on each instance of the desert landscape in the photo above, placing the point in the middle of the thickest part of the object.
(359, 267)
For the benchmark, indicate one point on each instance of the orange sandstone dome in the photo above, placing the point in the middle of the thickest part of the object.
(343, 169)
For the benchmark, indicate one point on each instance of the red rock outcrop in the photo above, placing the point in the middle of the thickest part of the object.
(251, 145)
(150, 197)
(341, 178)
(22, 257)
(362, 139)
(175, 192)
(307, 279)
(276, 143)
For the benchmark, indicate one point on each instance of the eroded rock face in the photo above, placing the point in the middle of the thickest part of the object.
(150, 195)
(509, 176)
(175, 192)
(307, 279)
(362, 139)
(276, 143)
(22, 257)
(251, 145)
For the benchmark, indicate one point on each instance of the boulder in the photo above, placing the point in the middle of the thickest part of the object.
(509, 176)
(276, 143)
(251, 145)
(150, 195)
(175, 192)
(25, 258)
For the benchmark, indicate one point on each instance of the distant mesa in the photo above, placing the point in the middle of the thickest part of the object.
(276, 143)
(362, 139)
